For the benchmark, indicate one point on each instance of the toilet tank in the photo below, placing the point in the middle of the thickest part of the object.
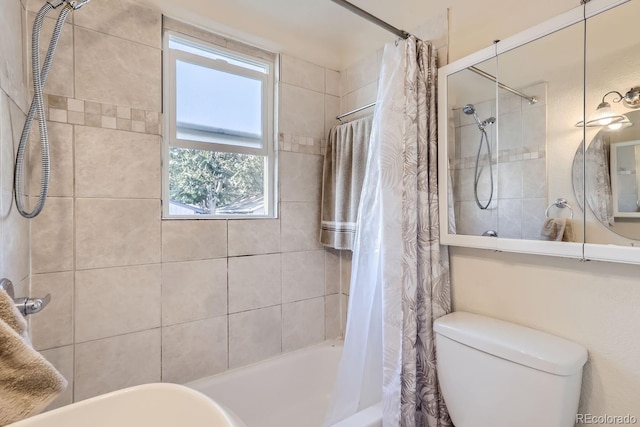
(499, 374)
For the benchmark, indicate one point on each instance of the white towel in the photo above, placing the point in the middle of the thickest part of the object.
(28, 382)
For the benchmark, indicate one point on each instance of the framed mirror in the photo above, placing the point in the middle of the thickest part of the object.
(472, 150)
(612, 130)
(508, 140)
(520, 186)
(612, 187)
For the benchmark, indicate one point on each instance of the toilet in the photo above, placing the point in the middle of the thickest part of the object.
(498, 374)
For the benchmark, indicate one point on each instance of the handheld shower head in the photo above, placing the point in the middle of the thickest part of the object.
(489, 121)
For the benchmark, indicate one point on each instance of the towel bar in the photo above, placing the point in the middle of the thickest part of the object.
(25, 305)
(559, 203)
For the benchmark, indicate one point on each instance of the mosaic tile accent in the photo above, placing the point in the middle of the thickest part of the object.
(87, 113)
(301, 144)
(504, 156)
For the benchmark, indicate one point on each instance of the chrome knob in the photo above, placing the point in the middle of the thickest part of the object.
(28, 306)
(25, 305)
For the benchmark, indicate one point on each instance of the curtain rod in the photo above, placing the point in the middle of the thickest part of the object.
(403, 34)
(532, 99)
(372, 18)
(379, 22)
(364, 107)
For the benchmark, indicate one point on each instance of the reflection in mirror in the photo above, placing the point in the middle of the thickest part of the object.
(535, 198)
(530, 132)
(612, 187)
(472, 150)
(625, 163)
(613, 67)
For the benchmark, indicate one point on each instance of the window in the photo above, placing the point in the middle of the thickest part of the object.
(219, 126)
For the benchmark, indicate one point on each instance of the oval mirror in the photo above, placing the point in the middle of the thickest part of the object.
(612, 166)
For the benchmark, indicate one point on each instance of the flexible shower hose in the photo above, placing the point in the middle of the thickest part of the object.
(483, 139)
(36, 110)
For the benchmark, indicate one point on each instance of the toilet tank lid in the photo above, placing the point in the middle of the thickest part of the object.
(519, 344)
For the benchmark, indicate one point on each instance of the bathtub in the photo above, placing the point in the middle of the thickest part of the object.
(291, 390)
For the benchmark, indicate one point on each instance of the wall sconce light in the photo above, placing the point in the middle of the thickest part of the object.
(605, 116)
(622, 124)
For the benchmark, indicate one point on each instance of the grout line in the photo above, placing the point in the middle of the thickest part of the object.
(228, 301)
(120, 37)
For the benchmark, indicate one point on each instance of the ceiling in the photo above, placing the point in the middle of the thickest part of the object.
(322, 32)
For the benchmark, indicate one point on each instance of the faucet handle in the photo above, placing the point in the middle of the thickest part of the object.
(35, 305)
(28, 306)
(25, 305)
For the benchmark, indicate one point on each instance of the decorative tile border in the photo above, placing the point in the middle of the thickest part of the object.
(301, 144)
(87, 113)
(504, 156)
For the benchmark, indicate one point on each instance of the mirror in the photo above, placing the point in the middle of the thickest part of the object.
(520, 170)
(472, 150)
(612, 186)
(613, 64)
(625, 164)
(508, 140)
(533, 137)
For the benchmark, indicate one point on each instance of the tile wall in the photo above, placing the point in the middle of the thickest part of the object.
(519, 168)
(14, 230)
(139, 299)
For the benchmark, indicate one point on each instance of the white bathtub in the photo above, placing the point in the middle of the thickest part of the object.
(292, 390)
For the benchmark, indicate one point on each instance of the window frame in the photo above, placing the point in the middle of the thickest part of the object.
(269, 128)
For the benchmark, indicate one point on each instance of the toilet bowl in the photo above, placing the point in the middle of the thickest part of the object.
(499, 374)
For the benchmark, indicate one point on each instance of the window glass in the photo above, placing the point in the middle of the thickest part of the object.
(219, 153)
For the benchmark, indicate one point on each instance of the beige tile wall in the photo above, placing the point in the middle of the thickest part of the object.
(137, 298)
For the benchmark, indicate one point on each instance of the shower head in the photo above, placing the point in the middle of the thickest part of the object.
(470, 109)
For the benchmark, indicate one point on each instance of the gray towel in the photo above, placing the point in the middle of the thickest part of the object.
(558, 229)
(28, 383)
(344, 166)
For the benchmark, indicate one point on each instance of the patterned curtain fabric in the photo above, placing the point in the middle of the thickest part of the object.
(421, 293)
(598, 183)
(400, 272)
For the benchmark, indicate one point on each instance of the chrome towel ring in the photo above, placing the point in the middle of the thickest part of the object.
(559, 203)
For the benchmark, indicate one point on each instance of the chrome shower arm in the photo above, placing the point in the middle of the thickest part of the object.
(75, 5)
(56, 3)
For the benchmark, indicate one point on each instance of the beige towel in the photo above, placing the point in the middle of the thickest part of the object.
(558, 229)
(344, 166)
(28, 383)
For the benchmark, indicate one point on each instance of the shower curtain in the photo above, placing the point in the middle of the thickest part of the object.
(599, 194)
(400, 273)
